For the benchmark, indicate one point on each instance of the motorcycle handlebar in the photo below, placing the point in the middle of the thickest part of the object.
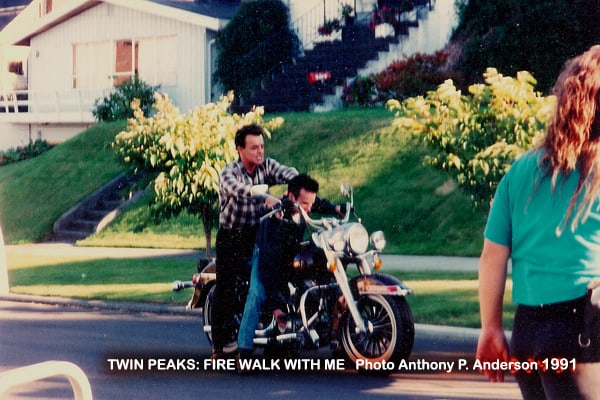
(325, 222)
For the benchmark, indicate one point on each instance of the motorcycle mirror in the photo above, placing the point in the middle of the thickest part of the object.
(259, 190)
(345, 189)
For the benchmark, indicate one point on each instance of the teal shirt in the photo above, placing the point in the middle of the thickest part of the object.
(526, 215)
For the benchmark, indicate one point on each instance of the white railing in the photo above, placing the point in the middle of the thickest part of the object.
(19, 376)
(306, 26)
(73, 105)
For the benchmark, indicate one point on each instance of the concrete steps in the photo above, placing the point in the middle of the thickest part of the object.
(95, 212)
(291, 89)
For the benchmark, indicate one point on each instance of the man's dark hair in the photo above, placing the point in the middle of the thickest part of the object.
(252, 129)
(302, 181)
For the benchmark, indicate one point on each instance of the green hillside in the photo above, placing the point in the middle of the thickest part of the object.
(34, 193)
(394, 191)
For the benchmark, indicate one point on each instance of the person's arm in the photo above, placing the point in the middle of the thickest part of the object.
(324, 206)
(492, 345)
(278, 174)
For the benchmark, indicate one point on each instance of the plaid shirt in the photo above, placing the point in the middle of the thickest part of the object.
(237, 209)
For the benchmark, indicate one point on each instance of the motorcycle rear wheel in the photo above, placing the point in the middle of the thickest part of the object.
(389, 337)
(231, 345)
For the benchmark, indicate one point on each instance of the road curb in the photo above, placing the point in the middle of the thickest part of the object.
(434, 332)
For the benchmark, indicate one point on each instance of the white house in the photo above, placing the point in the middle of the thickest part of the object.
(58, 56)
(77, 50)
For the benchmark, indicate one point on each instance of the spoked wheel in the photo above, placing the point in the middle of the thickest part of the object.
(231, 344)
(389, 334)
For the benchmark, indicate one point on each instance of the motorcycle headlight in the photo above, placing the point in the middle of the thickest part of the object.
(357, 238)
(337, 241)
(378, 240)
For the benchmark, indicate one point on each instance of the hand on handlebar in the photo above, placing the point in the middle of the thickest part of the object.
(271, 202)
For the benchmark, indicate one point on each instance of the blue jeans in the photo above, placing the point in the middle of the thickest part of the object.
(252, 310)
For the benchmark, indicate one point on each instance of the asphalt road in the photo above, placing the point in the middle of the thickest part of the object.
(128, 354)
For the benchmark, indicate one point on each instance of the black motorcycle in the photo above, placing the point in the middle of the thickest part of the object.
(362, 316)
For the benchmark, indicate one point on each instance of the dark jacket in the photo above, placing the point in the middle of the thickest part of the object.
(278, 241)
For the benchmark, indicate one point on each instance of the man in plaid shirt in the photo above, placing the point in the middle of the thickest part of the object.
(239, 214)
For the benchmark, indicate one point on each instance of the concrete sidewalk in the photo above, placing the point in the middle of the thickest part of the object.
(390, 261)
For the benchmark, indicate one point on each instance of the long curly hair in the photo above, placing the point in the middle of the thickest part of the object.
(573, 137)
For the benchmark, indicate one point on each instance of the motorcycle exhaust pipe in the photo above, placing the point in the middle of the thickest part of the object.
(179, 285)
(286, 337)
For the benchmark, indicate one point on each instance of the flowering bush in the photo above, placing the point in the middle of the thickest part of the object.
(185, 153)
(412, 76)
(475, 137)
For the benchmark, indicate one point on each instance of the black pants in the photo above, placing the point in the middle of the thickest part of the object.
(540, 334)
(234, 249)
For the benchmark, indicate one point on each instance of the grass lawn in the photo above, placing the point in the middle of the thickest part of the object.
(440, 298)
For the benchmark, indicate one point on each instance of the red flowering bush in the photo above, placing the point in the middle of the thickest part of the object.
(410, 77)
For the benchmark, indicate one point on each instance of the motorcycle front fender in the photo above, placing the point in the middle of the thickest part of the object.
(380, 284)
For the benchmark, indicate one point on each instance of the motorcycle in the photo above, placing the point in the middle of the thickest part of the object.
(363, 317)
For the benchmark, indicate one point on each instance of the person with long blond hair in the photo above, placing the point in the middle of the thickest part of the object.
(545, 218)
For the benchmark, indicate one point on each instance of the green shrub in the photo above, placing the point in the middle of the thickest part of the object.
(20, 153)
(117, 105)
(360, 92)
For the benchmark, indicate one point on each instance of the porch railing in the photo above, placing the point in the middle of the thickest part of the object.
(66, 106)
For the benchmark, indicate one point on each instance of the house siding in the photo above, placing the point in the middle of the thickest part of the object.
(51, 57)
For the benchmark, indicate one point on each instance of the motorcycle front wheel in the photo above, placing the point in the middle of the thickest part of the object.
(231, 345)
(389, 336)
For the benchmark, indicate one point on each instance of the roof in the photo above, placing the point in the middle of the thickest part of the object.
(9, 9)
(222, 9)
(213, 14)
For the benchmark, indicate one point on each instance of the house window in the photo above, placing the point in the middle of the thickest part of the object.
(125, 61)
(45, 6)
(92, 66)
(101, 65)
(157, 61)
(15, 67)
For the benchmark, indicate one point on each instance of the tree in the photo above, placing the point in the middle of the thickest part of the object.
(257, 40)
(476, 137)
(517, 35)
(184, 154)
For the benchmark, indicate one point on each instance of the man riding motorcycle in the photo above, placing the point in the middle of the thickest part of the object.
(277, 242)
